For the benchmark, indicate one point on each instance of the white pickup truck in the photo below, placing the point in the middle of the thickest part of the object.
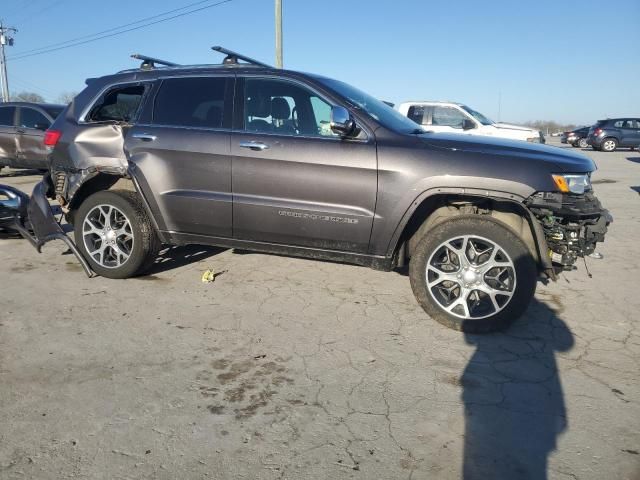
(458, 118)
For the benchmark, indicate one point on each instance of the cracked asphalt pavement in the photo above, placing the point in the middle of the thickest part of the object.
(286, 368)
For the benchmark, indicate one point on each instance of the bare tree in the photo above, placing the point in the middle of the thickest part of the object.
(27, 97)
(66, 97)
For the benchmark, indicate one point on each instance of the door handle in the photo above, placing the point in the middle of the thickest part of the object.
(257, 146)
(20, 130)
(144, 136)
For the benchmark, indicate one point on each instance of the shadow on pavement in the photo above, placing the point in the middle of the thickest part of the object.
(176, 257)
(513, 399)
(636, 189)
(19, 173)
(634, 159)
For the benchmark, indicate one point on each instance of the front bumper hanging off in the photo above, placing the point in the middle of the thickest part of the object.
(33, 218)
(572, 224)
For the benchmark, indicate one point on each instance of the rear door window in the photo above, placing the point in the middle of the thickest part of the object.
(196, 102)
(419, 114)
(31, 118)
(6, 116)
(120, 104)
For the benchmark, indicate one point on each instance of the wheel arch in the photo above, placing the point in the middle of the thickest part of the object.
(438, 206)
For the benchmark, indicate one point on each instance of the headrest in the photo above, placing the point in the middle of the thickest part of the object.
(258, 107)
(280, 109)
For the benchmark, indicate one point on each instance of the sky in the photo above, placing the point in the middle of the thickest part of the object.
(568, 61)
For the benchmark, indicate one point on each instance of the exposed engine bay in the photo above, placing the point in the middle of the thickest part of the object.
(572, 224)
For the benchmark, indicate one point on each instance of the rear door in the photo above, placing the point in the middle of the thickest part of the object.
(294, 181)
(8, 149)
(180, 155)
(30, 133)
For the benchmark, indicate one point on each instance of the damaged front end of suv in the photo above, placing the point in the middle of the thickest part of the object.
(573, 219)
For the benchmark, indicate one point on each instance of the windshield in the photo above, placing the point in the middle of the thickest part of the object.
(478, 116)
(380, 111)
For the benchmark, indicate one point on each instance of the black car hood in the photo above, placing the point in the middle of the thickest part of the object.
(563, 160)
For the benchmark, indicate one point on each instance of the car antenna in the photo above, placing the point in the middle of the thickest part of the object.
(233, 57)
(149, 63)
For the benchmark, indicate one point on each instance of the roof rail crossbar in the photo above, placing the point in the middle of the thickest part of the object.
(233, 57)
(149, 63)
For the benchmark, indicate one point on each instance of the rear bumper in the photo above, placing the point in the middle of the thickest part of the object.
(36, 222)
(594, 141)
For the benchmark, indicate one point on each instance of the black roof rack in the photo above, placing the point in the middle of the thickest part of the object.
(149, 63)
(233, 57)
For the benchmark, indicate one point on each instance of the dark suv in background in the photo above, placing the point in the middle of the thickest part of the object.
(22, 127)
(609, 134)
(248, 156)
(576, 138)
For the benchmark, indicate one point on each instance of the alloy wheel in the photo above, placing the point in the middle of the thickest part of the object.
(471, 277)
(107, 236)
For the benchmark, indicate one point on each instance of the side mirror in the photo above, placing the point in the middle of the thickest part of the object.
(468, 124)
(342, 123)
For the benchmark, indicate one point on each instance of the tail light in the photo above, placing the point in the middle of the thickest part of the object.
(51, 138)
(597, 131)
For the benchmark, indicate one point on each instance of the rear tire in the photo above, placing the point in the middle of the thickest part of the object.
(114, 234)
(582, 143)
(487, 308)
(609, 145)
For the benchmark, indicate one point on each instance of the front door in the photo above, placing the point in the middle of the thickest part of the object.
(294, 181)
(180, 156)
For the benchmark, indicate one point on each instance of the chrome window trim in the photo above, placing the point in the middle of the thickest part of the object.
(184, 127)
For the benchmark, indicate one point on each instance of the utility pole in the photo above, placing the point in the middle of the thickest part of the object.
(278, 33)
(5, 40)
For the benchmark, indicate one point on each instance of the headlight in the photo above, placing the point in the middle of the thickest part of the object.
(572, 183)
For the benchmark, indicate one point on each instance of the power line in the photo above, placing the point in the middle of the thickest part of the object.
(72, 40)
(30, 18)
(43, 50)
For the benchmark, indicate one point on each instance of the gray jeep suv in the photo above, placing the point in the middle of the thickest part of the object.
(244, 155)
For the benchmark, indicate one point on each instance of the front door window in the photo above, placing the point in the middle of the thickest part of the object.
(285, 108)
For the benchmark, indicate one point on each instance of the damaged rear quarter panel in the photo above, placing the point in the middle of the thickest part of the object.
(95, 150)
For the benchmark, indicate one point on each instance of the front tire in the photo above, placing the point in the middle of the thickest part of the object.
(115, 235)
(473, 274)
(582, 143)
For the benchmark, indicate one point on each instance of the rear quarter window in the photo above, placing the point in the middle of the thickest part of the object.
(118, 104)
